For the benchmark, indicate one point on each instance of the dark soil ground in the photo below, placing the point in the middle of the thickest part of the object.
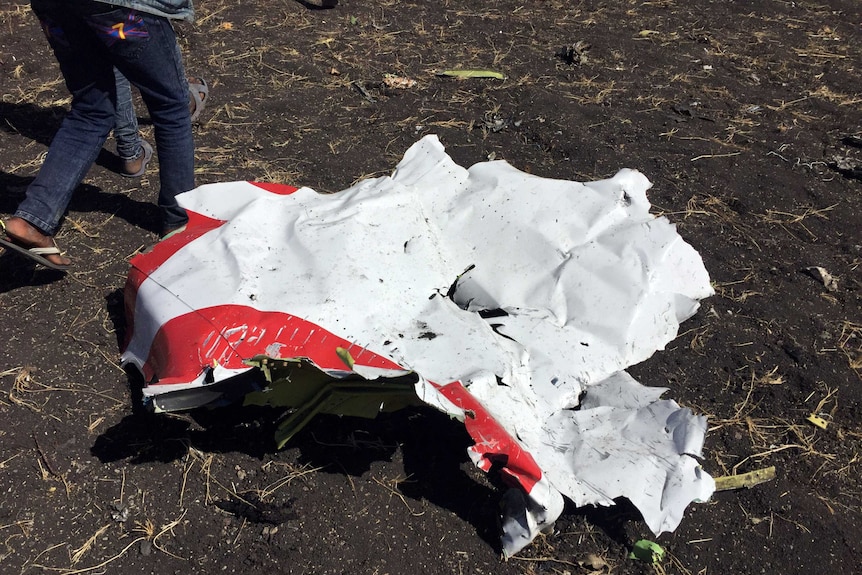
(747, 118)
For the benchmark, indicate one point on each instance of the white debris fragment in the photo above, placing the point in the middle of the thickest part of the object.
(819, 273)
(518, 300)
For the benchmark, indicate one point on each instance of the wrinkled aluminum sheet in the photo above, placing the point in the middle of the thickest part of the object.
(516, 300)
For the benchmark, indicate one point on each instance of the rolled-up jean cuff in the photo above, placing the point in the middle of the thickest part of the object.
(40, 225)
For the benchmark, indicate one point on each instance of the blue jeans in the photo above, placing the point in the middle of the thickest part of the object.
(125, 120)
(89, 40)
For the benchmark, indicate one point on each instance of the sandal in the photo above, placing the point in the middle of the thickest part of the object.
(36, 254)
(130, 168)
(199, 93)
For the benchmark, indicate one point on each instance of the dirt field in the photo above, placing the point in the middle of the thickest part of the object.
(747, 118)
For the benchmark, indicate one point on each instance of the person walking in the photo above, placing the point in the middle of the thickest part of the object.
(89, 39)
(133, 151)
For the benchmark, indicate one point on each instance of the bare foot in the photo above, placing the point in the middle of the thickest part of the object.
(24, 234)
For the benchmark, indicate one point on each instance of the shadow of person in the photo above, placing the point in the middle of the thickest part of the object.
(40, 124)
(37, 123)
(18, 272)
(12, 190)
(141, 214)
(86, 198)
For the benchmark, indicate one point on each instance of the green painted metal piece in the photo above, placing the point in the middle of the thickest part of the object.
(307, 391)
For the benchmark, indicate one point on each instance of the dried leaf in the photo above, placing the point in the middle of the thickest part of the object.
(749, 479)
(472, 74)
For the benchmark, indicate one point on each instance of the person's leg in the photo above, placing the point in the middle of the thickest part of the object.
(125, 120)
(22, 237)
(156, 69)
(134, 152)
(90, 80)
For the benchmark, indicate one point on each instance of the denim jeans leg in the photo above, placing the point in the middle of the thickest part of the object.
(90, 79)
(126, 121)
(157, 71)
